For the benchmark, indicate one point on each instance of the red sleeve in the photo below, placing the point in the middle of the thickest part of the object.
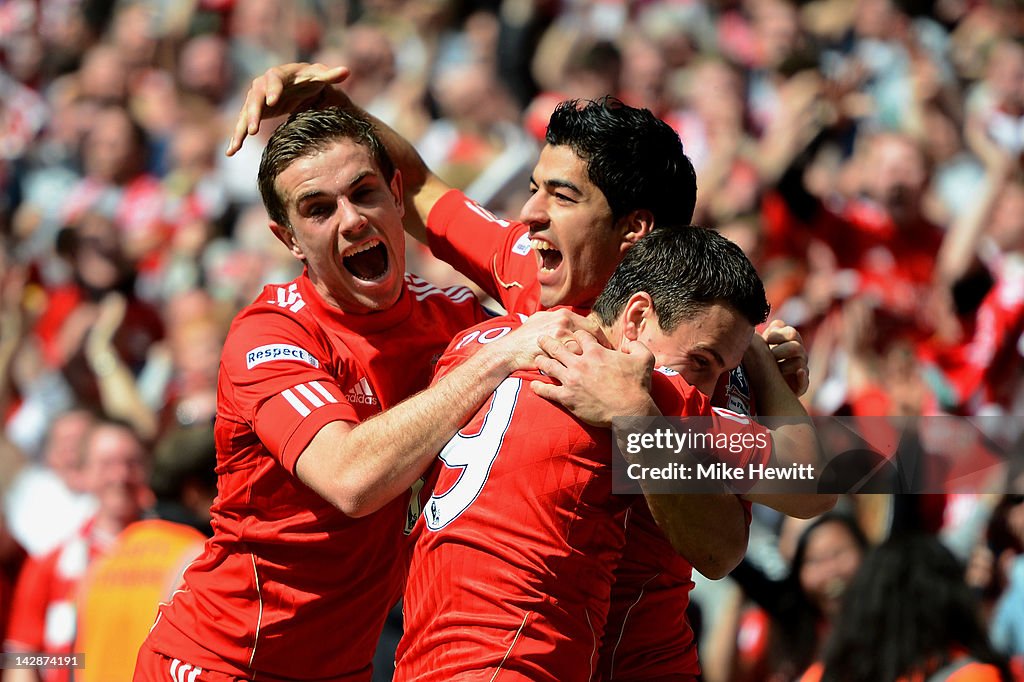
(676, 398)
(26, 629)
(494, 253)
(279, 379)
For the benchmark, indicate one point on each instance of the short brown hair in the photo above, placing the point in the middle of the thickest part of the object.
(307, 133)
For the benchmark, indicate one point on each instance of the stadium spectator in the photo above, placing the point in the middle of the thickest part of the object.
(94, 329)
(995, 121)
(117, 185)
(122, 590)
(910, 608)
(47, 502)
(43, 615)
(976, 354)
(205, 72)
(1002, 582)
(785, 633)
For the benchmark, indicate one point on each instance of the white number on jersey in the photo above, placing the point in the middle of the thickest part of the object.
(474, 455)
(731, 416)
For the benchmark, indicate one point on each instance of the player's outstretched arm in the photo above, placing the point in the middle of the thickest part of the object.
(300, 86)
(361, 467)
(794, 443)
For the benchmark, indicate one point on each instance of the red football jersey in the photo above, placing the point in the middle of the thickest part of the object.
(513, 568)
(648, 634)
(289, 587)
(656, 639)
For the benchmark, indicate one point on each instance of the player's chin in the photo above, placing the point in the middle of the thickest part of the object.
(553, 287)
(551, 296)
(376, 295)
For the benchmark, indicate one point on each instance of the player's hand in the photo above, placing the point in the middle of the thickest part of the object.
(790, 354)
(596, 383)
(521, 347)
(282, 90)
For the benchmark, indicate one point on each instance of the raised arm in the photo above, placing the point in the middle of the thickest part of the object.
(794, 443)
(284, 89)
(959, 250)
(118, 390)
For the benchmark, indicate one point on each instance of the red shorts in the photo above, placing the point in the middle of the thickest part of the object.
(151, 666)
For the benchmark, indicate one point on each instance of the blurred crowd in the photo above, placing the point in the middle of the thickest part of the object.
(867, 155)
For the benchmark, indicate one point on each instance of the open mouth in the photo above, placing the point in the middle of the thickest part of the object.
(550, 257)
(368, 261)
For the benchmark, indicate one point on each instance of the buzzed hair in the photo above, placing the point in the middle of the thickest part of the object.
(685, 270)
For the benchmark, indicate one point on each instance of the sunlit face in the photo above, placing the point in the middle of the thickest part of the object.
(1006, 226)
(897, 173)
(702, 348)
(831, 560)
(114, 471)
(64, 447)
(110, 151)
(346, 225)
(574, 237)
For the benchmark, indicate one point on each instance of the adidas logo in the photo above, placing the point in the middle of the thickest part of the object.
(361, 393)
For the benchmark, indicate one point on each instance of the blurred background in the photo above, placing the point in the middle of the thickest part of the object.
(866, 155)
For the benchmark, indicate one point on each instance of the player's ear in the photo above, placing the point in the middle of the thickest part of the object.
(636, 315)
(285, 235)
(634, 226)
(397, 191)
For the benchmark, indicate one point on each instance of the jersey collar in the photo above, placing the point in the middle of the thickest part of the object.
(362, 323)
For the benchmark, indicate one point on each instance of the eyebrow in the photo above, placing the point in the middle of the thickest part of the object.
(316, 193)
(555, 184)
(309, 195)
(711, 351)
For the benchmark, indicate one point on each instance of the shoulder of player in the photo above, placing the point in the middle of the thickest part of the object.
(513, 234)
(455, 205)
(471, 339)
(264, 318)
(450, 308)
(265, 330)
(485, 332)
(430, 294)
